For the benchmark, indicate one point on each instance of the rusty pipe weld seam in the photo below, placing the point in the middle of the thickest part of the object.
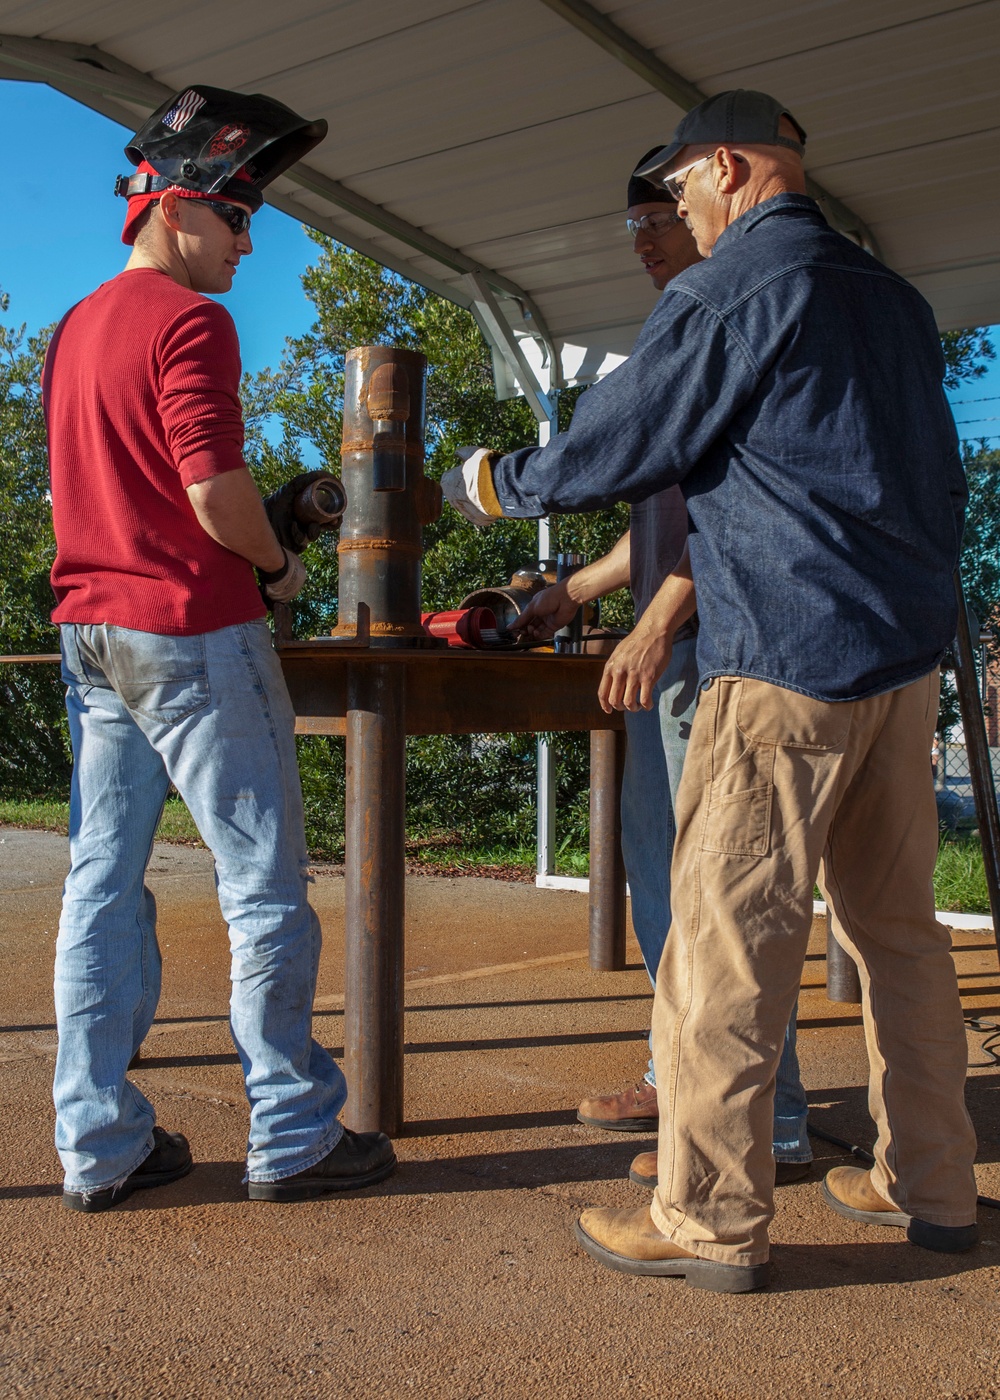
(391, 629)
(364, 448)
(360, 542)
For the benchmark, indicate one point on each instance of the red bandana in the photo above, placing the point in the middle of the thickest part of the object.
(141, 202)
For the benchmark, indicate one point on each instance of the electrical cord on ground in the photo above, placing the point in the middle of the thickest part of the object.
(991, 1030)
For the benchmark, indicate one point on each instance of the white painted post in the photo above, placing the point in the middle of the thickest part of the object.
(545, 782)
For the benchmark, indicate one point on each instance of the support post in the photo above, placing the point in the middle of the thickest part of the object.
(842, 980)
(545, 758)
(607, 868)
(375, 823)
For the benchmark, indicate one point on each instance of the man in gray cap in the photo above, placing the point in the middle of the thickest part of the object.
(793, 385)
(653, 677)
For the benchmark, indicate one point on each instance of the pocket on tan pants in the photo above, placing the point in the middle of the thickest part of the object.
(738, 820)
(754, 719)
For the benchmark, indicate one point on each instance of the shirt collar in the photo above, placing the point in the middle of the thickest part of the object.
(778, 204)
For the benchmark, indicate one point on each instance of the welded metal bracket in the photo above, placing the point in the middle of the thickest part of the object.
(285, 641)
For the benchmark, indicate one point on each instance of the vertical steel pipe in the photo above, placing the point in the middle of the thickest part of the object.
(842, 980)
(374, 863)
(389, 499)
(607, 868)
(977, 747)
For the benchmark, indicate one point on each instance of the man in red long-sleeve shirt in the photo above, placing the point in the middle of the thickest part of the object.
(171, 676)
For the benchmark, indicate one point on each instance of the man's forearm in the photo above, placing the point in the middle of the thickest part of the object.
(229, 508)
(674, 601)
(603, 576)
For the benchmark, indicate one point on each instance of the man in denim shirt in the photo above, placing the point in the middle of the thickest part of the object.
(653, 678)
(793, 386)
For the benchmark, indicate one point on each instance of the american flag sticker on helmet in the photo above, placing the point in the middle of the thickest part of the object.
(183, 110)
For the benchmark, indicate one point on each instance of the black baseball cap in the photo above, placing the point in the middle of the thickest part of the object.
(643, 191)
(740, 115)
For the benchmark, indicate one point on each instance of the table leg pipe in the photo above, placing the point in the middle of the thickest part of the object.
(374, 901)
(842, 980)
(607, 869)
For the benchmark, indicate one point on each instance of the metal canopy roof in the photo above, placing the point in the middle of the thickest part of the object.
(482, 148)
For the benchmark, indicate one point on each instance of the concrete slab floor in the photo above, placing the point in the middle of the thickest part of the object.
(459, 1277)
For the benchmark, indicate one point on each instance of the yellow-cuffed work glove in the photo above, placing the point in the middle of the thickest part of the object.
(469, 487)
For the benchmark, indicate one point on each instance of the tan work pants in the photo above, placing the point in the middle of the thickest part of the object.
(775, 785)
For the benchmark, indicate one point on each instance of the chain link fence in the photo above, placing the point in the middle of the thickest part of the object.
(950, 756)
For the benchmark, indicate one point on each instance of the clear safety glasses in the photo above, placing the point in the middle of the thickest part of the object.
(674, 184)
(653, 224)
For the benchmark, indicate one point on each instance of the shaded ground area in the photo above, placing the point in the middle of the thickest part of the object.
(458, 1278)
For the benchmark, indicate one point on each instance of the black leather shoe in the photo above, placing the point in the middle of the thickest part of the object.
(359, 1159)
(169, 1160)
(785, 1173)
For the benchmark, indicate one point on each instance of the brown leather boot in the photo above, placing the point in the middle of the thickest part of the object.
(632, 1111)
(849, 1191)
(627, 1240)
(643, 1171)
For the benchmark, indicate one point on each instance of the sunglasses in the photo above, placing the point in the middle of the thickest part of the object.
(238, 219)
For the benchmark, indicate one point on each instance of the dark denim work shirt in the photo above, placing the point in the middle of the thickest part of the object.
(793, 385)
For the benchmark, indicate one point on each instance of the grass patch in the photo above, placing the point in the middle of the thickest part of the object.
(44, 814)
(36, 814)
(959, 877)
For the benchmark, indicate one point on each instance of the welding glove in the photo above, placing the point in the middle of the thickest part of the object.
(282, 585)
(469, 487)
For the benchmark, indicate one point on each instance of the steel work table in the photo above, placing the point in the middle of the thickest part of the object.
(376, 698)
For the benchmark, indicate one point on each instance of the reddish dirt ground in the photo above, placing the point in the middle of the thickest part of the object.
(459, 1277)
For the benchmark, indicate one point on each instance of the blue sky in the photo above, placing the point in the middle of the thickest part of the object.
(61, 225)
(59, 238)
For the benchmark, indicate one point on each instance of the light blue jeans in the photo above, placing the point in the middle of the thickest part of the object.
(211, 714)
(657, 742)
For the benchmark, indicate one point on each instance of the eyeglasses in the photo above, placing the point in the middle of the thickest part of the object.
(674, 184)
(653, 224)
(238, 219)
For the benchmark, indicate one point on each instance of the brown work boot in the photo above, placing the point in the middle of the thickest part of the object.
(627, 1240)
(849, 1191)
(643, 1171)
(632, 1111)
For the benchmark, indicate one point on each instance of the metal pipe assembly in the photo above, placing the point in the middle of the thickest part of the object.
(389, 500)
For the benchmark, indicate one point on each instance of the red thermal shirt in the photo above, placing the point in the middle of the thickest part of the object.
(141, 392)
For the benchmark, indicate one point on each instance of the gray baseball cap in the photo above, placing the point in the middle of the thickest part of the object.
(740, 115)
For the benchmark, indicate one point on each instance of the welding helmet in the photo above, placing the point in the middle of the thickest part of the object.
(209, 141)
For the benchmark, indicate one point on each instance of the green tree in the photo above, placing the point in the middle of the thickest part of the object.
(966, 355)
(34, 755)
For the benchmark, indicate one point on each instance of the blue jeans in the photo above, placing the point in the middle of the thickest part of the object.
(211, 714)
(657, 742)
